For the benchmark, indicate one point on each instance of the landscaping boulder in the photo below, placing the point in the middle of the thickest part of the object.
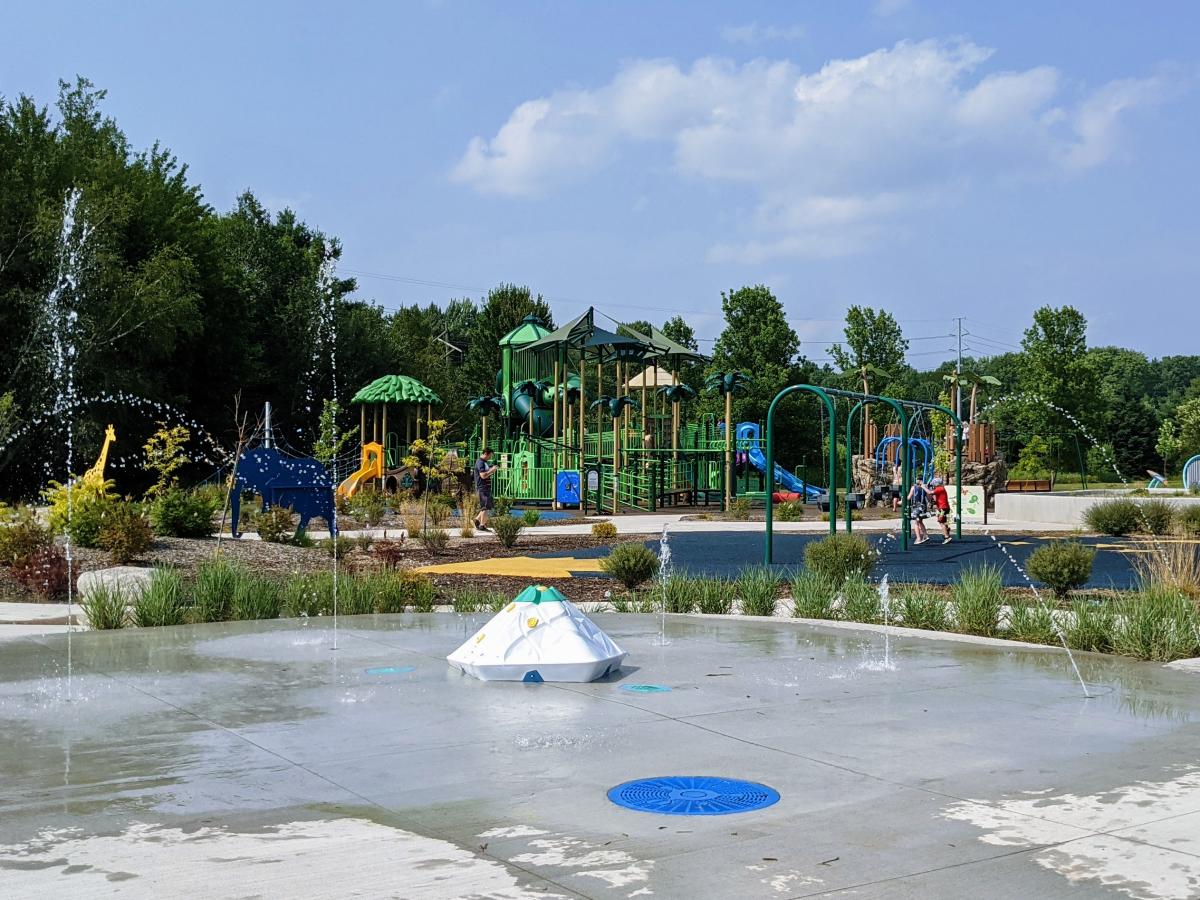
(131, 581)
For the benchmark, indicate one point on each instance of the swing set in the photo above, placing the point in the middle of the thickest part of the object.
(828, 398)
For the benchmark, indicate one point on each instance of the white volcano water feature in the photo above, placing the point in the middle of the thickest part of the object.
(540, 636)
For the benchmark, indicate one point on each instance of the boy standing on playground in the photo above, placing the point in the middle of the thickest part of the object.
(941, 500)
(483, 487)
(918, 506)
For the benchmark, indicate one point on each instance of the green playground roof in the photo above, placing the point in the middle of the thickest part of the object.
(396, 389)
(530, 330)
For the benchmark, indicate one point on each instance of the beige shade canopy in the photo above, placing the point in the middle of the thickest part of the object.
(646, 379)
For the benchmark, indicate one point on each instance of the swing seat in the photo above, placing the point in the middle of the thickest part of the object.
(854, 501)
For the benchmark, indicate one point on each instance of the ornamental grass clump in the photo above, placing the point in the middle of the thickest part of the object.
(631, 564)
(212, 590)
(106, 607)
(860, 601)
(920, 607)
(1158, 624)
(254, 597)
(1091, 625)
(1032, 622)
(813, 596)
(163, 602)
(714, 596)
(757, 591)
(1158, 516)
(978, 601)
(680, 594)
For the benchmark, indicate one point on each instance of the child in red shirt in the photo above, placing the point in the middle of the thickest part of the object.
(941, 500)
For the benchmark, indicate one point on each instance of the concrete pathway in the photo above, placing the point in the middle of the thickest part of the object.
(254, 757)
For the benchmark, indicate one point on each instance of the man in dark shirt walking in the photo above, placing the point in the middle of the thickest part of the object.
(483, 487)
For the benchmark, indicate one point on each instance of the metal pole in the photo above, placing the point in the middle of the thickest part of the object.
(958, 373)
(267, 436)
(768, 547)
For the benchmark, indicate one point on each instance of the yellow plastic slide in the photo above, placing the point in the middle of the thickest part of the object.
(372, 467)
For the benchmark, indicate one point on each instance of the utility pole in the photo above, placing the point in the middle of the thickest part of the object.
(958, 372)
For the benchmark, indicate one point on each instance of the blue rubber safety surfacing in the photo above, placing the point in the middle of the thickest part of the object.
(693, 795)
(645, 688)
(390, 670)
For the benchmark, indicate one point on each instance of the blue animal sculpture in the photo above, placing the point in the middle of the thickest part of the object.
(299, 483)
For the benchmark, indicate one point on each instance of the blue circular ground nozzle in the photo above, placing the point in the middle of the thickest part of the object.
(693, 795)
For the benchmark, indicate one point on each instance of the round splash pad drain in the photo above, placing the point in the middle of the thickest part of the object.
(390, 670)
(645, 688)
(693, 795)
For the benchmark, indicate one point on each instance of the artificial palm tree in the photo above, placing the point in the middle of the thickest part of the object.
(977, 380)
(676, 394)
(615, 407)
(486, 406)
(726, 384)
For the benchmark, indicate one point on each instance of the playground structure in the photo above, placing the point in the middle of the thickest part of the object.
(381, 462)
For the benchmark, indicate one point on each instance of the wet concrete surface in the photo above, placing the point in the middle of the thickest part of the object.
(251, 759)
(725, 553)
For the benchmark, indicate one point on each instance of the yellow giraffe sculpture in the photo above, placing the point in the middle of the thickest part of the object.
(96, 473)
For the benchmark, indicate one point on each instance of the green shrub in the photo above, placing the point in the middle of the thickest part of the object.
(531, 517)
(1156, 624)
(22, 536)
(679, 594)
(630, 564)
(1189, 520)
(791, 511)
(860, 601)
(364, 542)
(1158, 516)
(604, 530)
(44, 571)
(441, 507)
(78, 510)
(1032, 622)
(435, 540)
(502, 506)
(922, 608)
(125, 532)
(275, 525)
(714, 596)
(339, 546)
(356, 595)
(757, 590)
(163, 602)
(978, 601)
(105, 607)
(1091, 626)
(184, 514)
(508, 529)
(1116, 517)
(839, 556)
(368, 507)
(212, 591)
(632, 602)
(812, 596)
(1062, 566)
(254, 597)
(739, 508)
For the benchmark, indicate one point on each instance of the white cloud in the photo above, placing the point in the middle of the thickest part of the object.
(832, 158)
(754, 33)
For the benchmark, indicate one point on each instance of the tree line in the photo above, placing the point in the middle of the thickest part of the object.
(212, 313)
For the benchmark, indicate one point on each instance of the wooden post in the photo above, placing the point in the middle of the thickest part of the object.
(599, 411)
(616, 460)
(483, 440)
(408, 438)
(383, 443)
(362, 427)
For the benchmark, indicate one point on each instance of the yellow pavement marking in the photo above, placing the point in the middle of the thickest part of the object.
(518, 567)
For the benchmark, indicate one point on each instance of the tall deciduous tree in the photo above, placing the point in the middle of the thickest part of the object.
(678, 330)
(499, 314)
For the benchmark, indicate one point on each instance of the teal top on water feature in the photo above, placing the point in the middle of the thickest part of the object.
(539, 593)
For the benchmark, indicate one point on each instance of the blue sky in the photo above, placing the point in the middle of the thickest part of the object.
(935, 159)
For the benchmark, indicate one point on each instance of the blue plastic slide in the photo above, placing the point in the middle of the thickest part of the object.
(783, 478)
